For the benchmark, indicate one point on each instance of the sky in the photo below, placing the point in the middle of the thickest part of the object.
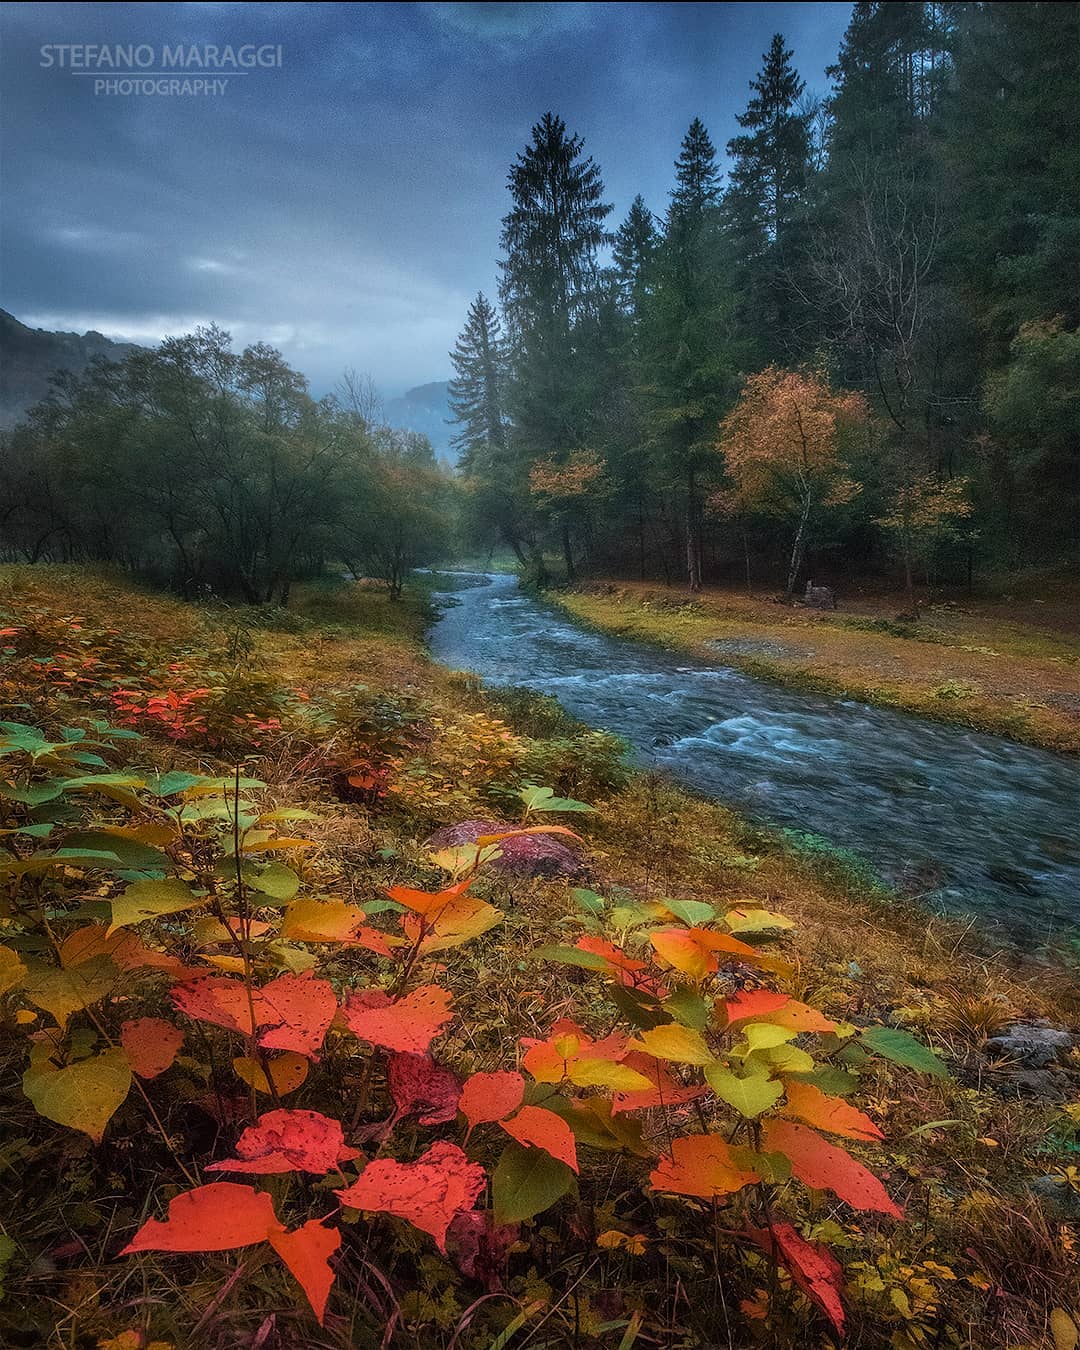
(343, 201)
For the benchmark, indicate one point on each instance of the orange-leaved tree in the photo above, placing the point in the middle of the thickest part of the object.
(782, 447)
(922, 512)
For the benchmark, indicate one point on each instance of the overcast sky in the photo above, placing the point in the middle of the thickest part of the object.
(346, 206)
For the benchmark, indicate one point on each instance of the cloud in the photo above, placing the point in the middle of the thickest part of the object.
(347, 206)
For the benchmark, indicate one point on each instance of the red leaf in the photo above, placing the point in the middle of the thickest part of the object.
(490, 1096)
(700, 1165)
(428, 1193)
(753, 1003)
(418, 1083)
(428, 904)
(289, 1141)
(544, 1129)
(307, 1251)
(150, 1044)
(613, 955)
(824, 1167)
(210, 1218)
(812, 1265)
(479, 1246)
(665, 1092)
(221, 1001)
(407, 1024)
(299, 1009)
(223, 1215)
(833, 1114)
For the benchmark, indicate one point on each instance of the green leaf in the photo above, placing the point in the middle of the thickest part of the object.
(902, 1048)
(63, 857)
(640, 1009)
(527, 1181)
(139, 857)
(544, 799)
(691, 912)
(828, 1079)
(749, 1096)
(571, 956)
(61, 992)
(687, 1006)
(83, 1096)
(150, 900)
(587, 900)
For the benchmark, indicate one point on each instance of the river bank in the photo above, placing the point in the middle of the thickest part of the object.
(998, 666)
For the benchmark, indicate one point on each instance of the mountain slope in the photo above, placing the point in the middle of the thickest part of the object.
(29, 357)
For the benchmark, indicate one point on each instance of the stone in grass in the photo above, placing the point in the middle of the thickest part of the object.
(537, 855)
(1034, 1044)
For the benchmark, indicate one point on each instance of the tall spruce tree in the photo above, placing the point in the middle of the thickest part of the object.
(688, 378)
(550, 283)
(768, 181)
(477, 389)
(632, 252)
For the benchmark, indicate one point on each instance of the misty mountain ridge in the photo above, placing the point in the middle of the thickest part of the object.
(30, 357)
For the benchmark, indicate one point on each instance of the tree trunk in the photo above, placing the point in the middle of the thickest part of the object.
(693, 538)
(797, 551)
(909, 586)
(568, 552)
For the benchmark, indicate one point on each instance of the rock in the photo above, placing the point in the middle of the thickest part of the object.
(820, 597)
(1057, 1198)
(536, 855)
(1035, 1044)
(1041, 1083)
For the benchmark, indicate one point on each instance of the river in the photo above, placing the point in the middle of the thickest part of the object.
(973, 824)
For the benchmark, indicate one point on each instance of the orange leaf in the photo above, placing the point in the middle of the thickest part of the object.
(824, 1167)
(220, 1001)
(751, 1003)
(428, 1193)
(428, 904)
(813, 1267)
(693, 950)
(544, 1129)
(700, 1165)
(486, 840)
(613, 955)
(307, 1251)
(664, 1092)
(150, 1044)
(223, 1215)
(490, 1096)
(287, 1073)
(299, 1010)
(210, 1218)
(810, 1104)
(410, 1023)
(289, 1141)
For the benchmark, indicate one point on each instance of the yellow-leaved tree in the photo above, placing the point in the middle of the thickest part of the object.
(782, 446)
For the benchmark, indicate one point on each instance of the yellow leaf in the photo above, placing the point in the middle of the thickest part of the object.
(782, 1059)
(674, 1042)
(764, 1036)
(605, 1073)
(614, 1241)
(1064, 1330)
(310, 920)
(755, 920)
(232, 964)
(287, 1071)
(61, 992)
(11, 969)
(83, 1096)
(749, 1096)
(150, 900)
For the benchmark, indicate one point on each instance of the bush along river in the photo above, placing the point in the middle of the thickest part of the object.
(972, 824)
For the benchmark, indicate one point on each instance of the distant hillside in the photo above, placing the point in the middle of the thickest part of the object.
(30, 356)
(425, 409)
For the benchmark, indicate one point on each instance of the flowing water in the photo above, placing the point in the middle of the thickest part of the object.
(972, 823)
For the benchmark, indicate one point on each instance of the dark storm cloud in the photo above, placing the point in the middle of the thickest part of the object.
(346, 206)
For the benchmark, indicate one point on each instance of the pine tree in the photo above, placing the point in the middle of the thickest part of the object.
(550, 284)
(687, 362)
(772, 159)
(633, 250)
(476, 391)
